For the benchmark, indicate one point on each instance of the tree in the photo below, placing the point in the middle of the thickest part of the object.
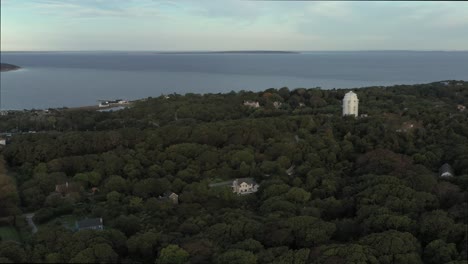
(436, 225)
(12, 251)
(172, 254)
(236, 256)
(128, 224)
(200, 250)
(300, 256)
(297, 195)
(394, 247)
(116, 183)
(8, 195)
(144, 245)
(347, 253)
(84, 256)
(310, 231)
(104, 253)
(249, 245)
(438, 251)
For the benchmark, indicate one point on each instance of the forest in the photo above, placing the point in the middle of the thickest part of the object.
(332, 189)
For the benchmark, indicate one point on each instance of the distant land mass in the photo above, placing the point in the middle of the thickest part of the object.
(231, 52)
(8, 67)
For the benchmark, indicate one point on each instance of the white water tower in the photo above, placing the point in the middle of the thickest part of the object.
(350, 104)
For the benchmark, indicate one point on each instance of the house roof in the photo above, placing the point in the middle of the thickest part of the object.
(89, 222)
(445, 168)
(246, 180)
(168, 193)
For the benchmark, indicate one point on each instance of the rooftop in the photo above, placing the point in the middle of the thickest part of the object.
(89, 222)
(246, 180)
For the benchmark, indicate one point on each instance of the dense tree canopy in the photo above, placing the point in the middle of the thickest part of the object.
(332, 189)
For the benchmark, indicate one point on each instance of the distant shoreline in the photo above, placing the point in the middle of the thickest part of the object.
(130, 103)
(229, 52)
(217, 52)
(161, 52)
(4, 67)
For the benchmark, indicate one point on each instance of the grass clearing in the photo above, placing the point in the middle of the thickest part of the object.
(9, 233)
(68, 221)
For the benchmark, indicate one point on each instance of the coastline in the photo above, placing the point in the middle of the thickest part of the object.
(131, 102)
(6, 67)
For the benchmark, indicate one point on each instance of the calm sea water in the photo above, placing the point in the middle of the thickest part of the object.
(76, 79)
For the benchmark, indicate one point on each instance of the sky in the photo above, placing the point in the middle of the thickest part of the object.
(69, 25)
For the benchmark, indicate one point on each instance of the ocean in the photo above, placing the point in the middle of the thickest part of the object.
(57, 79)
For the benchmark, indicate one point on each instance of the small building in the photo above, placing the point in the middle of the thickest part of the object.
(94, 190)
(244, 186)
(277, 104)
(170, 196)
(90, 223)
(106, 103)
(3, 141)
(253, 104)
(446, 171)
(461, 108)
(67, 188)
(103, 103)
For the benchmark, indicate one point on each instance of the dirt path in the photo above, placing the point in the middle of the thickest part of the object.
(224, 183)
(29, 218)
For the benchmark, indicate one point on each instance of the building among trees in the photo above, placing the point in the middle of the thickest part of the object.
(446, 171)
(244, 186)
(350, 104)
(90, 223)
(170, 196)
(253, 104)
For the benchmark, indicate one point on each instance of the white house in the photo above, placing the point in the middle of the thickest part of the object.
(244, 186)
(253, 104)
(350, 104)
(2, 141)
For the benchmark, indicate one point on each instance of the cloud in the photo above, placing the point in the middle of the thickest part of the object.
(207, 24)
(95, 8)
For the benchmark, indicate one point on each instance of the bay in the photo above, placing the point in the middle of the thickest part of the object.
(57, 79)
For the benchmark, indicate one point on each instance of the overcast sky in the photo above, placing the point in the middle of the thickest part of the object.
(232, 25)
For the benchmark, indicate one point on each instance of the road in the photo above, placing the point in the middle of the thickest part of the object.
(29, 218)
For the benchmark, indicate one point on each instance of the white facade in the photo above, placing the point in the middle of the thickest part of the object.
(350, 104)
(253, 104)
(244, 186)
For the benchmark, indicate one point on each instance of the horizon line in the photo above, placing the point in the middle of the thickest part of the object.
(242, 50)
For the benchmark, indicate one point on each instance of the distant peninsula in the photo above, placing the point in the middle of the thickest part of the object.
(231, 52)
(8, 67)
